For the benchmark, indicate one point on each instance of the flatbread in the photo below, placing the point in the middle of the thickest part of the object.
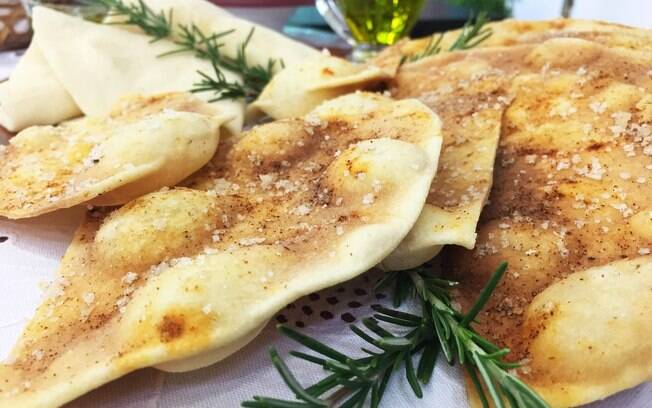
(464, 88)
(98, 64)
(469, 91)
(74, 66)
(147, 143)
(570, 212)
(33, 95)
(293, 207)
(299, 88)
(515, 32)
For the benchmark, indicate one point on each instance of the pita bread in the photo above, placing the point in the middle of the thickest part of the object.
(293, 207)
(147, 143)
(570, 211)
(299, 88)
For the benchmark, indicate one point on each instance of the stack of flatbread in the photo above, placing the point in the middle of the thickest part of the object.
(534, 149)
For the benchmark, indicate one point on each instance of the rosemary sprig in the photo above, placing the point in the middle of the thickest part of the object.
(254, 77)
(473, 33)
(206, 46)
(439, 328)
(156, 25)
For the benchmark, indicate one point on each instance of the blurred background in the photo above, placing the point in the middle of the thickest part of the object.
(302, 20)
(437, 15)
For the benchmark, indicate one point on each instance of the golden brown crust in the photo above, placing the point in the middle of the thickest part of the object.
(294, 206)
(145, 144)
(570, 192)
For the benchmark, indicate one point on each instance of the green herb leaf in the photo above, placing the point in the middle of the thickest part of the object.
(291, 381)
(472, 34)
(156, 25)
(352, 381)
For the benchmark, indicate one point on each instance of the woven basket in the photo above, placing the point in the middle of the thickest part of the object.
(15, 30)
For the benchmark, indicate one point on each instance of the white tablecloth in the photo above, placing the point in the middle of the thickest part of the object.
(31, 254)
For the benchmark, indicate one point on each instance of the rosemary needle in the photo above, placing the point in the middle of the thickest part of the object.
(353, 381)
(156, 25)
(472, 34)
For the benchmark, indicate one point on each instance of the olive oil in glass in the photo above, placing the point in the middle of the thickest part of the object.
(380, 22)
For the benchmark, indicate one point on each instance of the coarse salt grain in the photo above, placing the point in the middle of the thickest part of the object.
(38, 354)
(621, 120)
(129, 278)
(121, 303)
(598, 107)
(597, 171)
(267, 180)
(159, 224)
(88, 297)
(563, 164)
(251, 241)
(303, 209)
(563, 109)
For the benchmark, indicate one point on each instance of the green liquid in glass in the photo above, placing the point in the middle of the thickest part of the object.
(380, 22)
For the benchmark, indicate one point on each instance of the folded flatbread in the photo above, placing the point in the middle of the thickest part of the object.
(300, 87)
(468, 90)
(570, 211)
(145, 144)
(33, 95)
(75, 66)
(293, 207)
